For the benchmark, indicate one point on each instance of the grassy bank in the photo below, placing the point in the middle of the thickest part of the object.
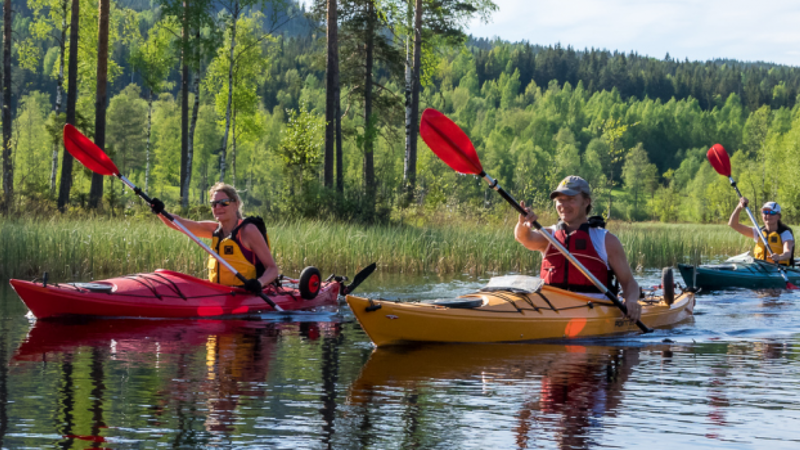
(99, 248)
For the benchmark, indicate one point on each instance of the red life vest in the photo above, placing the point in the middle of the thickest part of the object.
(557, 271)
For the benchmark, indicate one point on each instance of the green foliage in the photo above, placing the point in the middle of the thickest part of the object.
(251, 63)
(33, 154)
(636, 128)
(166, 136)
(126, 115)
(639, 174)
(153, 58)
(301, 142)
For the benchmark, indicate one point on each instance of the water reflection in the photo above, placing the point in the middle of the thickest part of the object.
(197, 376)
(566, 390)
(728, 380)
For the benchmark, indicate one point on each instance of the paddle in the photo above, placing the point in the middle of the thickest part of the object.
(91, 156)
(359, 278)
(720, 161)
(452, 146)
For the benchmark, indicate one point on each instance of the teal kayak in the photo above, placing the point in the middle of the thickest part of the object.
(742, 271)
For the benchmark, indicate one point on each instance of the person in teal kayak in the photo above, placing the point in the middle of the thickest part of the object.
(604, 258)
(778, 235)
(242, 242)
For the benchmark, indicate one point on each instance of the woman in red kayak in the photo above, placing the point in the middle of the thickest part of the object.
(599, 251)
(779, 236)
(242, 242)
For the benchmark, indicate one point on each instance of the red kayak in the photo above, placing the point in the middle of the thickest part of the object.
(166, 294)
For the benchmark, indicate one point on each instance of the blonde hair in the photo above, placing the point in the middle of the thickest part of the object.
(230, 191)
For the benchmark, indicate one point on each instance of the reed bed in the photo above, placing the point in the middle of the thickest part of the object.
(99, 248)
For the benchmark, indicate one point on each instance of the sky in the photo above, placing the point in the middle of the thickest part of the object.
(762, 30)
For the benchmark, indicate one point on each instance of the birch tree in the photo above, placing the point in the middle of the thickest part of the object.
(236, 79)
(153, 60)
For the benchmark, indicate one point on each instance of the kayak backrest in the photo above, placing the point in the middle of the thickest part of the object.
(518, 284)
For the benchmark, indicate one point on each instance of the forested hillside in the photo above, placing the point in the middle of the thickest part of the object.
(636, 127)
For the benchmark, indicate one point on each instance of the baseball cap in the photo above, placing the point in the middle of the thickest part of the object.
(572, 185)
(772, 206)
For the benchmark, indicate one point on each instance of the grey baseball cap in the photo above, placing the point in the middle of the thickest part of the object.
(572, 185)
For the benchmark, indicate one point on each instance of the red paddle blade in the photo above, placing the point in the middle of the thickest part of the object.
(719, 160)
(449, 142)
(89, 154)
(791, 286)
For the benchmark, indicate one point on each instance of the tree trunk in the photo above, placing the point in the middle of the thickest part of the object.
(59, 91)
(233, 149)
(369, 166)
(184, 94)
(148, 129)
(331, 93)
(72, 97)
(96, 192)
(228, 107)
(339, 158)
(190, 146)
(412, 110)
(8, 169)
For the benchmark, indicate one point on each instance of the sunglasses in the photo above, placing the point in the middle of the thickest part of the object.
(224, 202)
(769, 212)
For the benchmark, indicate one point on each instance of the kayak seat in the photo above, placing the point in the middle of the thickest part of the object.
(457, 303)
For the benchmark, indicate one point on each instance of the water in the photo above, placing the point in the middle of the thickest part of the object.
(728, 379)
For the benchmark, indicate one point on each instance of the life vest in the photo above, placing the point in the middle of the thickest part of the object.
(559, 272)
(234, 253)
(775, 244)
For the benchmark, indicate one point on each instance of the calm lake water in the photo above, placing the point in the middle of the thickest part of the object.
(728, 379)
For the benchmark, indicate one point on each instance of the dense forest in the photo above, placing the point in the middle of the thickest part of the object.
(239, 90)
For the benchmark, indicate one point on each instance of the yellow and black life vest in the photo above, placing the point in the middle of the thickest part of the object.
(231, 250)
(775, 244)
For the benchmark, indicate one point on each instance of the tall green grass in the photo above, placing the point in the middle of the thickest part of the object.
(99, 248)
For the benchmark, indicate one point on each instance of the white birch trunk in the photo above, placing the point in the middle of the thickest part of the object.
(224, 148)
(190, 146)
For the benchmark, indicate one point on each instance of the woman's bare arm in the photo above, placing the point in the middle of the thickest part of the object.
(254, 240)
(733, 221)
(202, 229)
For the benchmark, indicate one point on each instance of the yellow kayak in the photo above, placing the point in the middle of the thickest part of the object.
(524, 310)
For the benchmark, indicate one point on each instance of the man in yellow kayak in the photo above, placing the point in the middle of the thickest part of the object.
(242, 242)
(604, 258)
(779, 236)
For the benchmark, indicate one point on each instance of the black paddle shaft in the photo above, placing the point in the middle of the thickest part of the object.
(494, 185)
